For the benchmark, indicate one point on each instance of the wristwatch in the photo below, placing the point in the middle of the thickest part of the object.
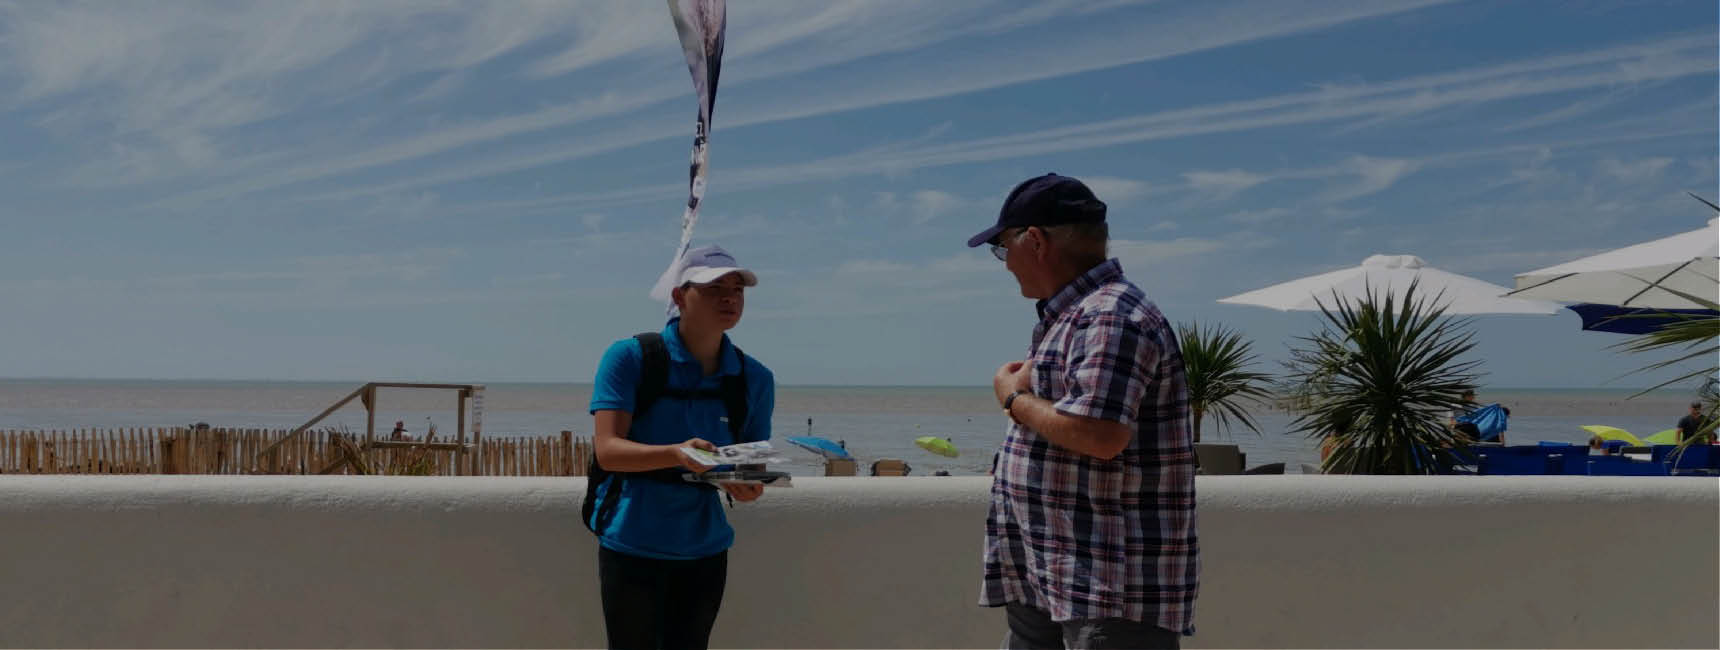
(1009, 401)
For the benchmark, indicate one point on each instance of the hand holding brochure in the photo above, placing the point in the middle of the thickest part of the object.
(744, 477)
(746, 453)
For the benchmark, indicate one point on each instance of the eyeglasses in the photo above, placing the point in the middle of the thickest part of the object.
(1001, 252)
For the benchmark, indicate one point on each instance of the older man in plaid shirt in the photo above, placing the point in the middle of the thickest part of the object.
(1090, 542)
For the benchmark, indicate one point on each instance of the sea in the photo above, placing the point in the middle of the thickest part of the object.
(873, 421)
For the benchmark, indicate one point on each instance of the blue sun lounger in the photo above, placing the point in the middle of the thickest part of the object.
(1621, 466)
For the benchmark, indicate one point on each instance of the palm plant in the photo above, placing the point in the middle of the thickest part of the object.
(1692, 337)
(1216, 361)
(1378, 380)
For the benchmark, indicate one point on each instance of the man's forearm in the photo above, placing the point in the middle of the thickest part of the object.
(1102, 439)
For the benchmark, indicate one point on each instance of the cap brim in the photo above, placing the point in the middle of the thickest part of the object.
(708, 275)
(984, 236)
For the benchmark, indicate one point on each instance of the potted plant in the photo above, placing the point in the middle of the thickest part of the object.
(1377, 381)
(1216, 362)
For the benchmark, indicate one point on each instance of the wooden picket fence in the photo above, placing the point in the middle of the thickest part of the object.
(233, 451)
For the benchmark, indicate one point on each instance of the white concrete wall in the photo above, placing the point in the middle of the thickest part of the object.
(1290, 561)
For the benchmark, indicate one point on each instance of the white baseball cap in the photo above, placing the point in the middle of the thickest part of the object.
(700, 266)
(707, 264)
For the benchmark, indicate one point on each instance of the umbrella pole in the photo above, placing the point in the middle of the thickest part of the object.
(1656, 283)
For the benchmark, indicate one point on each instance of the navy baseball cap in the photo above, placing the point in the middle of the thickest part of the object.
(1047, 200)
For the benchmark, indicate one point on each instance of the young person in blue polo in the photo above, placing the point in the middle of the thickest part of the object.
(663, 550)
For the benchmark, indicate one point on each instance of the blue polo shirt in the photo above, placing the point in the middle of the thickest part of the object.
(657, 519)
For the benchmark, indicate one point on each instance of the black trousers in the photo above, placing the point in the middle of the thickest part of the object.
(651, 604)
(1033, 629)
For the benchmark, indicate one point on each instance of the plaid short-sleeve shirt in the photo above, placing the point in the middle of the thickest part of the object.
(1083, 538)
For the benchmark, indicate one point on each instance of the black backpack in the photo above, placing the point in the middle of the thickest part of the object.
(654, 384)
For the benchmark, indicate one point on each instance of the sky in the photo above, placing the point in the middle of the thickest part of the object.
(485, 191)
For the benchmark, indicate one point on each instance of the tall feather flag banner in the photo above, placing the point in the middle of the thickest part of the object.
(700, 24)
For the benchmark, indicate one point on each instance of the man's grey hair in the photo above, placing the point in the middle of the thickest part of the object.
(1088, 244)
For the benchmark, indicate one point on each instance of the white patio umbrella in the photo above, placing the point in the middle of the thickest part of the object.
(1636, 276)
(1390, 274)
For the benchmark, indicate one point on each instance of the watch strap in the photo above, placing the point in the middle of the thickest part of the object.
(1010, 401)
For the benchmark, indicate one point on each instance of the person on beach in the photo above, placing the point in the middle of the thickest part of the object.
(663, 552)
(1463, 411)
(1692, 424)
(399, 432)
(1468, 429)
(1090, 539)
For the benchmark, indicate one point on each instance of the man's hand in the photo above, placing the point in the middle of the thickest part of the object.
(1011, 377)
(744, 492)
(683, 460)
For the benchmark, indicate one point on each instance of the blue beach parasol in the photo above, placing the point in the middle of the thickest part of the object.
(820, 446)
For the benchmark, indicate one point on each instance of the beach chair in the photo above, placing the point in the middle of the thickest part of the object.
(1621, 466)
(840, 467)
(1218, 459)
(1694, 460)
(1658, 453)
(1572, 459)
(1566, 457)
(1456, 460)
(889, 467)
(1269, 468)
(1515, 461)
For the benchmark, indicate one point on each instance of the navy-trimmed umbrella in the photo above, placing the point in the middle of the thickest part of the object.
(1629, 320)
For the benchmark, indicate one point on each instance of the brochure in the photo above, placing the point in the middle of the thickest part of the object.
(746, 453)
(744, 477)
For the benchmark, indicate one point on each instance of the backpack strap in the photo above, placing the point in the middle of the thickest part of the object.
(653, 371)
(734, 394)
(653, 381)
(653, 385)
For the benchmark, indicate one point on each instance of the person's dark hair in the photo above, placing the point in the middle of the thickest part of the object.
(1696, 405)
(1088, 244)
(1468, 392)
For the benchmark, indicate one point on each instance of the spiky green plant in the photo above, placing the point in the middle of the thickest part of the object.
(1216, 361)
(1692, 337)
(1380, 378)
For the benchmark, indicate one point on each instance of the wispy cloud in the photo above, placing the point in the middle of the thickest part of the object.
(170, 81)
(1372, 175)
(318, 272)
(1260, 216)
(1224, 184)
(1514, 261)
(870, 267)
(799, 42)
(1116, 191)
(931, 204)
(1633, 171)
(1154, 253)
(1677, 57)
